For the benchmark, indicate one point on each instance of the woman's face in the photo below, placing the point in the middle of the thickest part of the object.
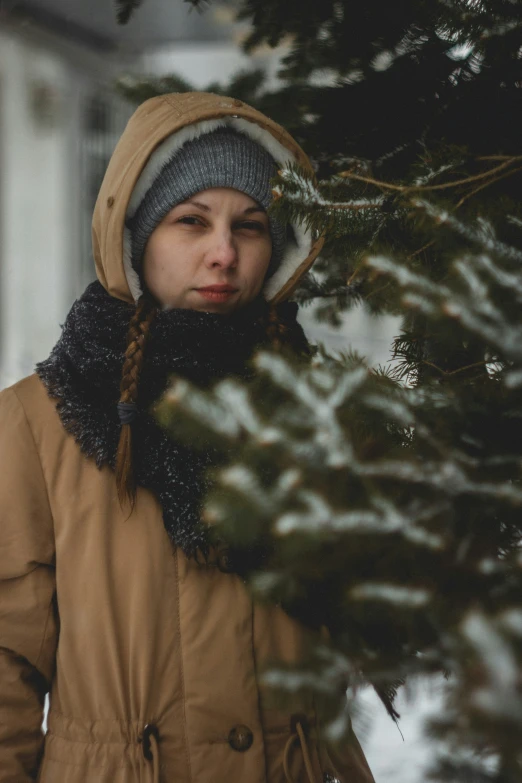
(223, 239)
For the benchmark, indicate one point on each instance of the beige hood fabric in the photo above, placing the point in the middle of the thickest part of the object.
(156, 130)
(152, 661)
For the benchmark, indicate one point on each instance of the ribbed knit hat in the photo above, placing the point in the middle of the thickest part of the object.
(222, 158)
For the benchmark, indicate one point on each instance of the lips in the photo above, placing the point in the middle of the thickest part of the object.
(217, 293)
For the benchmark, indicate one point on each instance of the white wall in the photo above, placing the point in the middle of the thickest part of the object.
(43, 220)
(35, 209)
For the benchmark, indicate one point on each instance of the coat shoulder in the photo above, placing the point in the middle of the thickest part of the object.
(31, 395)
(28, 400)
(30, 390)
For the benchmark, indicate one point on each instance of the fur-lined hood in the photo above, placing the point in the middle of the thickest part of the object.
(156, 129)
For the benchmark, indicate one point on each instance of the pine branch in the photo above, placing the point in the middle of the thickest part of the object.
(422, 188)
(125, 9)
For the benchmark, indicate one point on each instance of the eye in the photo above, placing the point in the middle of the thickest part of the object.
(188, 217)
(250, 225)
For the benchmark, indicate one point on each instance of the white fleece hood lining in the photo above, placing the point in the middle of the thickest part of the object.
(295, 253)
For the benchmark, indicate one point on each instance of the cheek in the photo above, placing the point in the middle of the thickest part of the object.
(157, 266)
(158, 258)
(260, 265)
(254, 280)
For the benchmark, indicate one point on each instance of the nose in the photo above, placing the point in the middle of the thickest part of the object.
(222, 252)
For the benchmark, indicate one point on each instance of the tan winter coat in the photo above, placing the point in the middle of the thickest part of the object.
(151, 660)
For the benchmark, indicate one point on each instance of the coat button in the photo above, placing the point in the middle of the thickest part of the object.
(240, 738)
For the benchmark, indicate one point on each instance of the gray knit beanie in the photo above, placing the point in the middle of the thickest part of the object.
(222, 158)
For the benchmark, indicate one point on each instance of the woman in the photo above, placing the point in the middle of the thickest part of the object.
(150, 652)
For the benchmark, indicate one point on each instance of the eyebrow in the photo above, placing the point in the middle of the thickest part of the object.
(206, 208)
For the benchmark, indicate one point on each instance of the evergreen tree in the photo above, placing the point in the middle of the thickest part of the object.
(384, 504)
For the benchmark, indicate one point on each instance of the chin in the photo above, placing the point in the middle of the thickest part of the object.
(217, 308)
(206, 306)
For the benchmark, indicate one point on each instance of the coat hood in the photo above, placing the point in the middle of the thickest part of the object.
(158, 128)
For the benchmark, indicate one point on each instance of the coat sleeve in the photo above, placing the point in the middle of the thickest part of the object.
(28, 618)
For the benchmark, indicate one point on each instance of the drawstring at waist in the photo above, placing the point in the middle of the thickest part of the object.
(150, 749)
(300, 736)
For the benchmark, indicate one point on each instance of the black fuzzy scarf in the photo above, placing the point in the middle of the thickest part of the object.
(83, 374)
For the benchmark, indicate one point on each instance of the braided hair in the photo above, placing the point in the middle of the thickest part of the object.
(281, 329)
(137, 335)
